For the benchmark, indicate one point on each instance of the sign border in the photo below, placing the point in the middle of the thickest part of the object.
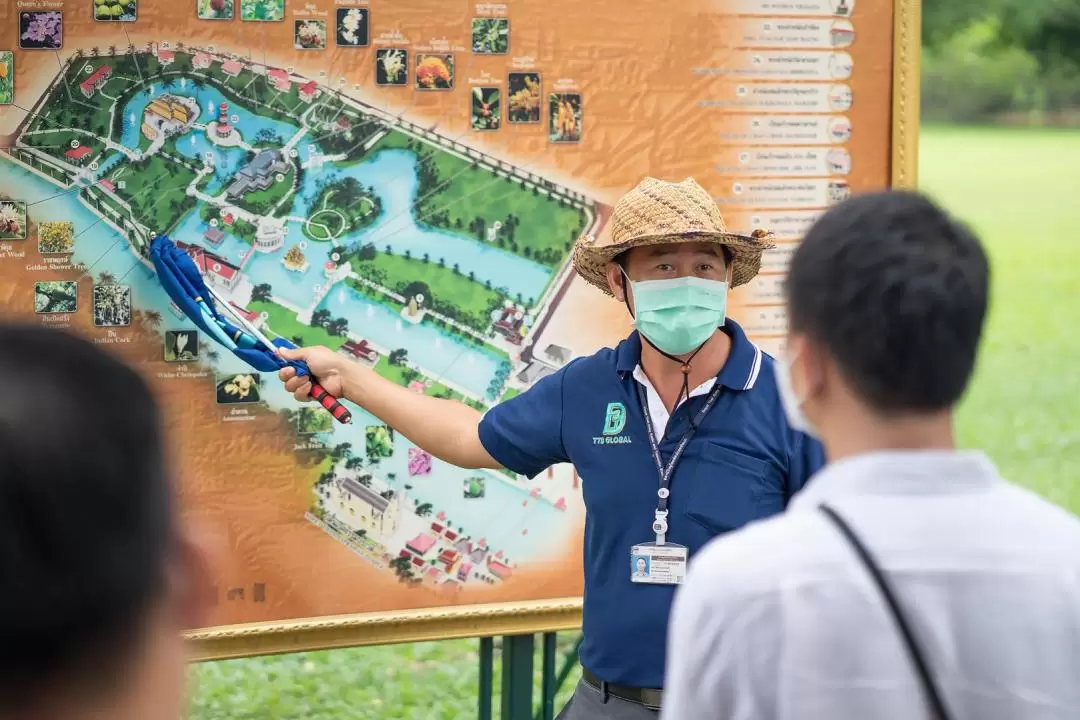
(518, 618)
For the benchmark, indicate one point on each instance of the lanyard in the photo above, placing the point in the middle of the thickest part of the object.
(660, 525)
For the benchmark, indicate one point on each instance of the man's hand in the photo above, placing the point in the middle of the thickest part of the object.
(325, 364)
(447, 429)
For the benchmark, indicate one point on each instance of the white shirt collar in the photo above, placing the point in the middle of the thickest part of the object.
(657, 412)
(908, 472)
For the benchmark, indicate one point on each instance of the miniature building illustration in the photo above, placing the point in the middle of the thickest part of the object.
(167, 114)
(258, 174)
(218, 271)
(95, 81)
(368, 509)
(294, 260)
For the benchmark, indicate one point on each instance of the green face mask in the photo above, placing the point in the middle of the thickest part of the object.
(678, 315)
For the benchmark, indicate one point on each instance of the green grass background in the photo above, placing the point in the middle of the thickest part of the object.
(1020, 189)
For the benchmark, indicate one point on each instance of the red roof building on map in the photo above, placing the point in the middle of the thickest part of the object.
(231, 67)
(280, 79)
(79, 153)
(107, 184)
(165, 57)
(216, 269)
(96, 80)
(308, 90)
(251, 317)
(499, 570)
(360, 350)
(202, 61)
(420, 544)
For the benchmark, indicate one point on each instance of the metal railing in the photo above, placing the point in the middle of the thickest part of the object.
(517, 679)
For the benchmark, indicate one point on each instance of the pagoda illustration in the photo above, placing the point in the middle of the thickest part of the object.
(294, 260)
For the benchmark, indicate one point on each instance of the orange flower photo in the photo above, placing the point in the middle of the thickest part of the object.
(434, 72)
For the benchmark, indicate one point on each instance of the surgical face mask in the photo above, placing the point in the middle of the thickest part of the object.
(792, 403)
(679, 315)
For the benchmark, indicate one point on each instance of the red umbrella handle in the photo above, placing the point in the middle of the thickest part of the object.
(331, 403)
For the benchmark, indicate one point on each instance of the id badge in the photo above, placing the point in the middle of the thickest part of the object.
(658, 564)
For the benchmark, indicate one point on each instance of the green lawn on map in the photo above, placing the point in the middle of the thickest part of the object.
(447, 286)
(1018, 188)
(283, 322)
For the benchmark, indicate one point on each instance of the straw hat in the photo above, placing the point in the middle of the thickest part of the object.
(658, 212)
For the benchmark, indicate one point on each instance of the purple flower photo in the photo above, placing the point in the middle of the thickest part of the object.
(41, 30)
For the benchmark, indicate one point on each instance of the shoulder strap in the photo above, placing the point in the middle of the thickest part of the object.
(933, 693)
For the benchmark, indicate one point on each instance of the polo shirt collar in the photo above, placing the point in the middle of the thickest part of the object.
(740, 371)
(899, 472)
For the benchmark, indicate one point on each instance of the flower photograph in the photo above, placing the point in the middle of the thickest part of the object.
(56, 237)
(564, 117)
(181, 345)
(112, 305)
(7, 77)
(486, 110)
(215, 9)
(57, 296)
(12, 220)
(352, 27)
(391, 66)
(491, 36)
(434, 72)
(262, 10)
(41, 30)
(239, 389)
(309, 35)
(523, 105)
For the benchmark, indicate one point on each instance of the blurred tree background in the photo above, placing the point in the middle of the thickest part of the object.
(1013, 62)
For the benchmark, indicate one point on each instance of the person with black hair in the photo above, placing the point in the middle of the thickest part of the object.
(909, 580)
(97, 579)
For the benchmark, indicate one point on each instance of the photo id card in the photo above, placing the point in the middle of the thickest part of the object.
(658, 564)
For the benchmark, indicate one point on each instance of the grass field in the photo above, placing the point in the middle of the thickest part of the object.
(447, 286)
(284, 323)
(1019, 189)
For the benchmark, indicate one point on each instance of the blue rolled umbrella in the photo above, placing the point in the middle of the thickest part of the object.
(183, 282)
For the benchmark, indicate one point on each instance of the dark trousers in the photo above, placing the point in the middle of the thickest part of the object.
(588, 704)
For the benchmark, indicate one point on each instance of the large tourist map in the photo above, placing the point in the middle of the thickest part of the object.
(324, 221)
(403, 183)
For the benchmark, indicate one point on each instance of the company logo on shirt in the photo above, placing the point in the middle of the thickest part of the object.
(614, 424)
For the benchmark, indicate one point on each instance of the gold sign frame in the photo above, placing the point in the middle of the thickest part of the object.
(513, 618)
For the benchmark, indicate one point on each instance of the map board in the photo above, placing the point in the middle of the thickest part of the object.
(403, 182)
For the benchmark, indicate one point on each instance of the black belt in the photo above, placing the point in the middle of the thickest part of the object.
(648, 697)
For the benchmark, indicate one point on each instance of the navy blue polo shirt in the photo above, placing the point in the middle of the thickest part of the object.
(743, 463)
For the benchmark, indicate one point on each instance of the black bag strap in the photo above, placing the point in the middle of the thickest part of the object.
(922, 668)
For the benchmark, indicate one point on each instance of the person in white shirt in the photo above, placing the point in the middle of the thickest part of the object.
(908, 579)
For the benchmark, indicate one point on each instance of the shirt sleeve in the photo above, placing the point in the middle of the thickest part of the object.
(807, 457)
(524, 433)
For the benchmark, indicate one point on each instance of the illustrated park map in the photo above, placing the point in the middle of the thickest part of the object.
(325, 221)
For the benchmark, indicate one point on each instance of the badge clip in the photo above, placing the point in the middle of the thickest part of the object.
(660, 526)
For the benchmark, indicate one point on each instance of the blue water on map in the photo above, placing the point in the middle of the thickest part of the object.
(504, 512)
(209, 98)
(442, 354)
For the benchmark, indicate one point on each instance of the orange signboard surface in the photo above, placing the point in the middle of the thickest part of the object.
(403, 182)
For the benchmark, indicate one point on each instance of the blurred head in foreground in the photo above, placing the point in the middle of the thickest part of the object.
(97, 581)
(886, 300)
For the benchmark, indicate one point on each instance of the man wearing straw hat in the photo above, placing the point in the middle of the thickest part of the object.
(678, 433)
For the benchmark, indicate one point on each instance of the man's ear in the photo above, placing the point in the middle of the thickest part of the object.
(616, 281)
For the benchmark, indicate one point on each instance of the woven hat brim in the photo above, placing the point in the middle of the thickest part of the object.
(591, 262)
